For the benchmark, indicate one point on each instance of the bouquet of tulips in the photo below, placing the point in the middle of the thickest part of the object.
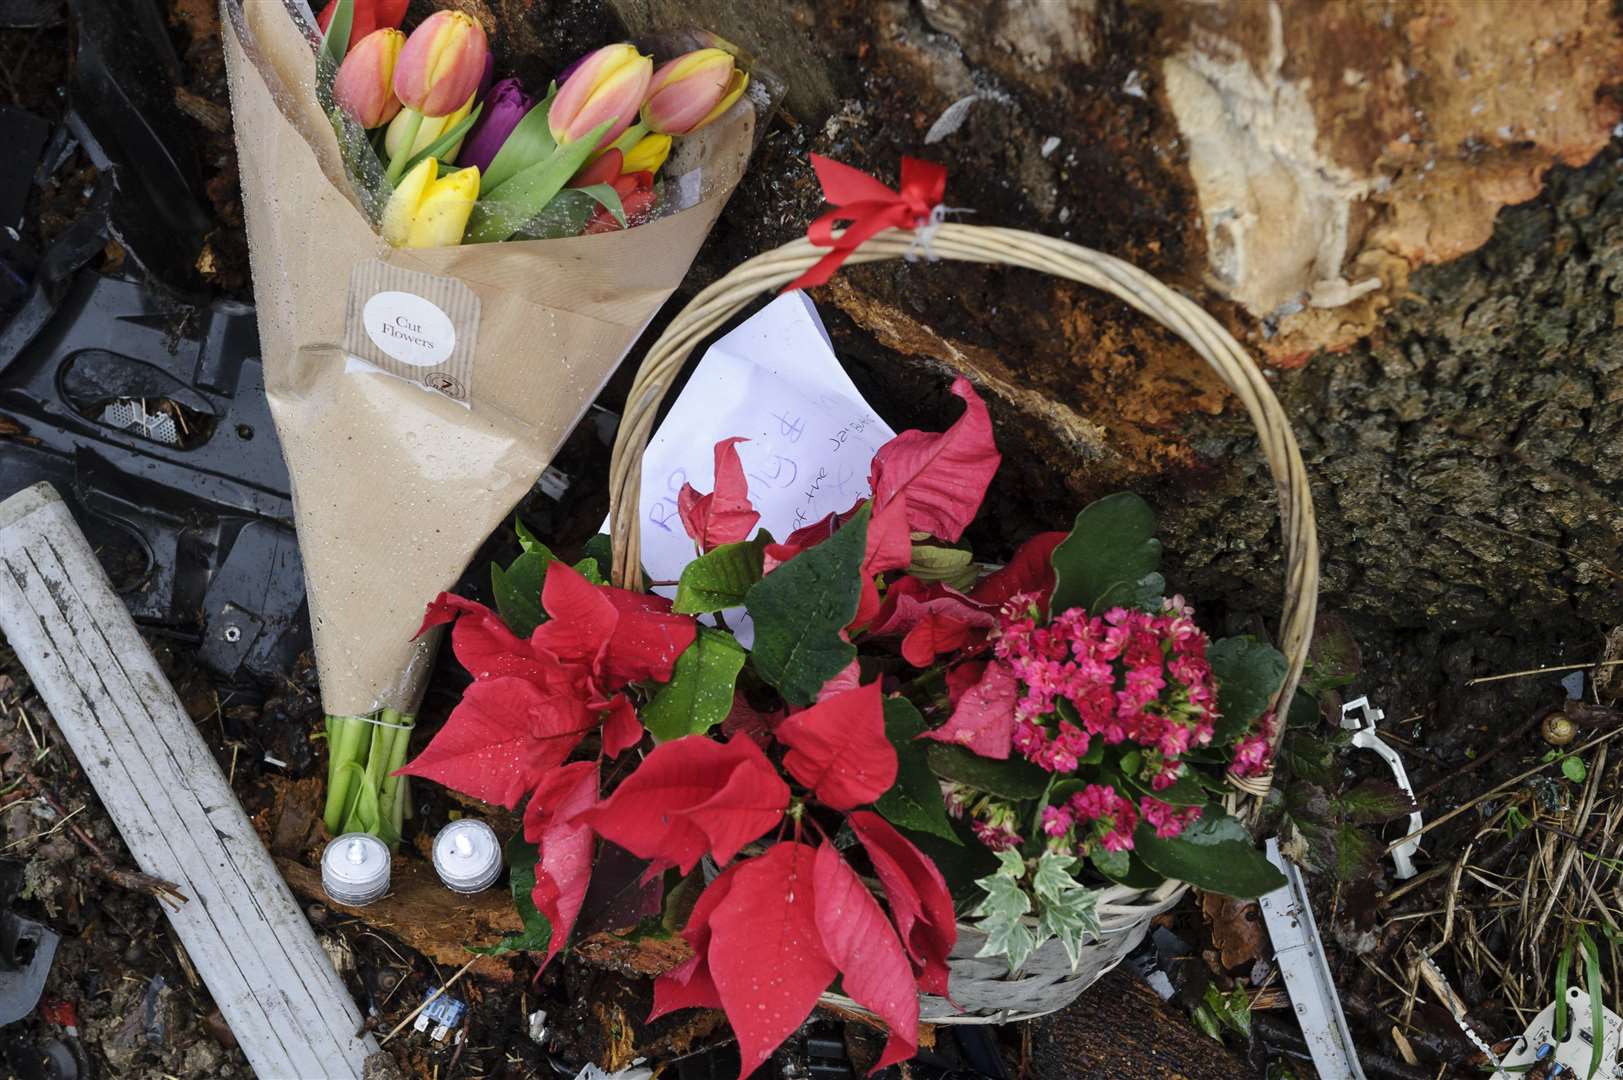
(421, 377)
(453, 158)
(995, 745)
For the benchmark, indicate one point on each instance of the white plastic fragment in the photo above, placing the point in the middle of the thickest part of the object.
(1289, 916)
(1360, 717)
(951, 119)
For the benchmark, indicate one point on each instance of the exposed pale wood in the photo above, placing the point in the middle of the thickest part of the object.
(245, 934)
(423, 913)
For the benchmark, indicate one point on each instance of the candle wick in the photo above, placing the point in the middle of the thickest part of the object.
(464, 847)
(356, 855)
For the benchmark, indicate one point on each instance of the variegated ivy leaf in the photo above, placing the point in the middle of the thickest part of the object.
(1053, 877)
(1003, 911)
(1007, 937)
(1067, 909)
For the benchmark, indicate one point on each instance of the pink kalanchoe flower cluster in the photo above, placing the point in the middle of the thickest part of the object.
(1110, 818)
(994, 825)
(1130, 675)
(1168, 820)
(1253, 753)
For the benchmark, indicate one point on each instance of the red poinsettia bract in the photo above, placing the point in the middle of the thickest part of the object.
(724, 516)
(771, 932)
(943, 475)
(532, 702)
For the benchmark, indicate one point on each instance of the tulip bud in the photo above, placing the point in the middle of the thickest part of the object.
(364, 86)
(505, 106)
(427, 212)
(606, 87)
(689, 92)
(442, 63)
(647, 155)
(636, 191)
(428, 130)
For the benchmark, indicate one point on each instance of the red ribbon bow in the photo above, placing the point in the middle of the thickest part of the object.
(870, 207)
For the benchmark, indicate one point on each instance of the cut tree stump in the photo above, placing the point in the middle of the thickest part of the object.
(246, 936)
(1120, 1028)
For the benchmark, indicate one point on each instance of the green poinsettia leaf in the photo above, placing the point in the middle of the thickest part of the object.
(700, 692)
(914, 801)
(801, 608)
(1249, 674)
(1215, 853)
(721, 578)
(537, 932)
(1110, 550)
(1015, 778)
(517, 589)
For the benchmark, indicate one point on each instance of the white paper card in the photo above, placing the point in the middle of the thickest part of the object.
(776, 381)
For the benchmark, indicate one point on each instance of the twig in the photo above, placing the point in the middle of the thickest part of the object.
(427, 1001)
(1542, 671)
(1491, 792)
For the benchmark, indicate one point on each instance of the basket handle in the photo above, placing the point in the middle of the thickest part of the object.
(729, 295)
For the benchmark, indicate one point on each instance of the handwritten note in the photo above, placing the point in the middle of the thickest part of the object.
(776, 381)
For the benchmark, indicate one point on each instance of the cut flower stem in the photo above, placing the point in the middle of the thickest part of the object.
(363, 794)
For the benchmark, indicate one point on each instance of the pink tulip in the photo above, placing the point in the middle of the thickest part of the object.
(606, 87)
(441, 64)
(689, 92)
(364, 84)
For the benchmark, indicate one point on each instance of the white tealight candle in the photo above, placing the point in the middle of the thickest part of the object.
(355, 869)
(467, 856)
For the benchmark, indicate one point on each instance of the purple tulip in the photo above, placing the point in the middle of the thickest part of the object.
(505, 106)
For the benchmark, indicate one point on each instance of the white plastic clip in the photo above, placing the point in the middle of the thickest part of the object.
(1360, 717)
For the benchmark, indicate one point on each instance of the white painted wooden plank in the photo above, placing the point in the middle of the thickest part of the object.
(245, 933)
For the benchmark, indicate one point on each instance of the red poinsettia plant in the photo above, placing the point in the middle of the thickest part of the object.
(997, 744)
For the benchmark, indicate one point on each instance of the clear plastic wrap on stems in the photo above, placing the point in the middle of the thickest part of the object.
(419, 393)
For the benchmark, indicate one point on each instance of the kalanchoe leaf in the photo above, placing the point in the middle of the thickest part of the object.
(1215, 853)
(1015, 778)
(522, 857)
(766, 955)
(700, 692)
(839, 750)
(943, 476)
(720, 578)
(1187, 790)
(800, 609)
(862, 943)
(1110, 549)
(914, 801)
(1249, 673)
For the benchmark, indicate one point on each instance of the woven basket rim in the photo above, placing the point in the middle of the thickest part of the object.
(730, 294)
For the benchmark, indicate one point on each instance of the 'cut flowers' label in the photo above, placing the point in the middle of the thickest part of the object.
(413, 325)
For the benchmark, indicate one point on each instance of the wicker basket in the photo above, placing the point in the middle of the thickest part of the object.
(983, 990)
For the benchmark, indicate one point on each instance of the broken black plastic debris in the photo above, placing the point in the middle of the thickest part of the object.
(124, 114)
(195, 530)
(27, 950)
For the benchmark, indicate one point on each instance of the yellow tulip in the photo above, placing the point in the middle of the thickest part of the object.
(428, 210)
(647, 155)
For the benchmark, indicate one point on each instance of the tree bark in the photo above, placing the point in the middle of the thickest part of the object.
(1121, 1028)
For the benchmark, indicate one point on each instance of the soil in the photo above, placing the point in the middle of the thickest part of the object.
(1465, 460)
